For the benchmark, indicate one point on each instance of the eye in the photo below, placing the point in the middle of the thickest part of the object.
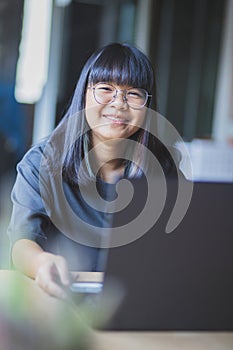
(136, 93)
(105, 88)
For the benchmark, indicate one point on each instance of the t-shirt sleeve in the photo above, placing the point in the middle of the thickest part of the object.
(29, 218)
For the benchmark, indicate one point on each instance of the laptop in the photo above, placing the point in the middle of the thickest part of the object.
(177, 281)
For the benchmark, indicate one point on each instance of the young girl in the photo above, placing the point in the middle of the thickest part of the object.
(110, 103)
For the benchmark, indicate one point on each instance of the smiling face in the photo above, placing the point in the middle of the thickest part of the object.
(114, 120)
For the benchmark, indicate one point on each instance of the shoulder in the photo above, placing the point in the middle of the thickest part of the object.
(35, 150)
(33, 156)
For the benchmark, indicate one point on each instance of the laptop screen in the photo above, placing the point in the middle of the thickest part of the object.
(182, 280)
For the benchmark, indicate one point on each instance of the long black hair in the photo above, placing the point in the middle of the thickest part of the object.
(122, 64)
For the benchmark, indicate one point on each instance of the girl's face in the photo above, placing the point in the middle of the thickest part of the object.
(114, 120)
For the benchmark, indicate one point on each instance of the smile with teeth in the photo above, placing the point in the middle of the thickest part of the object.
(115, 119)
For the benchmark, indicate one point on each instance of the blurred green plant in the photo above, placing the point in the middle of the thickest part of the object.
(32, 322)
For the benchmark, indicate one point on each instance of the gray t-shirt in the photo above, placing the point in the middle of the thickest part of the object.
(41, 213)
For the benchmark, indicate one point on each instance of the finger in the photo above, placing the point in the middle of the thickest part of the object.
(52, 289)
(63, 272)
(46, 281)
(74, 275)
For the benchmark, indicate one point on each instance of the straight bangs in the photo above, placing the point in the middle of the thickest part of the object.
(122, 65)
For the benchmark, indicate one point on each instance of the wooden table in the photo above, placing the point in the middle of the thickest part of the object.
(163, 341)
(30, 320)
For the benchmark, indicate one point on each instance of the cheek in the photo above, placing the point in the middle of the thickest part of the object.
(92, 114)
(137, 122)
(139, 118)
(90, 102)
(91, 109)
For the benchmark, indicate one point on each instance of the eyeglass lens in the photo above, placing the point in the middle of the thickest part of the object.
(106, 93)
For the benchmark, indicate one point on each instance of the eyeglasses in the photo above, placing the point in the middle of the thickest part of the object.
(107, 93)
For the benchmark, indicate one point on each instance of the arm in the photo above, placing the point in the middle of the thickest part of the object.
(29, 220)
(49, 270)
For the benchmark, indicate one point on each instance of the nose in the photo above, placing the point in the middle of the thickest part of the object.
(120, 98)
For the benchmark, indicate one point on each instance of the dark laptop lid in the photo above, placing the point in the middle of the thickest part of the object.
(182, 280)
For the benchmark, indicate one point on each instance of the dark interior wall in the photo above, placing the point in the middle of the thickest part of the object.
(185, 50)
(89, 25)
(10, 34)
(180, 61)
(81, 37)
(15, 119)
(210, 64)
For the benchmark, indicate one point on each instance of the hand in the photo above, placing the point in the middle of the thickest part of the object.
(53, 275)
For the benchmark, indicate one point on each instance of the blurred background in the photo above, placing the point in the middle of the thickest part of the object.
(44, 44)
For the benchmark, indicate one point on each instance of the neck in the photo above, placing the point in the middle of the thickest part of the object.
(107, 160)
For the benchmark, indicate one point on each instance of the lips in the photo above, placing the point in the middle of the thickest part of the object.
(116, 119)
